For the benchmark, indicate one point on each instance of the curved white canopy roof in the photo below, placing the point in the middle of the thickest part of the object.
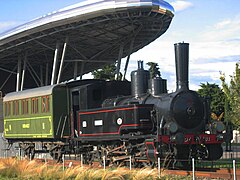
(95, 30)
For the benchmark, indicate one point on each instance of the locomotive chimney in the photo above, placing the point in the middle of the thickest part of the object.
(182, 60)
(139, 80)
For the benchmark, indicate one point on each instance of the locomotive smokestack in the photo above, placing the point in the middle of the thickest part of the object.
(139, 80)
(182, 60)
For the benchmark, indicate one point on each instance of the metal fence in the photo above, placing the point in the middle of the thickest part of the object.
(231, 152)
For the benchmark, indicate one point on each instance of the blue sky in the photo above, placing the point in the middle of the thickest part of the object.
(212, 27)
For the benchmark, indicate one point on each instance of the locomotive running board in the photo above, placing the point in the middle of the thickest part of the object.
(124, 137)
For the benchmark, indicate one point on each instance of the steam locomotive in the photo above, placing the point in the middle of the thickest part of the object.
(113, 120)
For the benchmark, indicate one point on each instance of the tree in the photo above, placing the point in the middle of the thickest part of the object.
(154, 70)
(106, 73)
(232, 92)
(217, 98)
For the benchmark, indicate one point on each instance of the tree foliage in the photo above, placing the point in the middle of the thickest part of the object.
(232, 92)
(154, 70)
(106, 73)
(216, 95)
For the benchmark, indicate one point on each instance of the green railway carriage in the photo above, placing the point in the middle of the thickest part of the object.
(40, 113)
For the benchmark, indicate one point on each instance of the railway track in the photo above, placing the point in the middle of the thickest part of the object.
(206, 173)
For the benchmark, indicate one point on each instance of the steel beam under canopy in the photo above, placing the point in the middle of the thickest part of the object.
(95, 30)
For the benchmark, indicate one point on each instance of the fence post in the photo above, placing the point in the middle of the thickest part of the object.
(104, 162)
(193, 168)
(20, 155)
(45, 158)
(130, 163)
(63, 158)
(81, 156)
(159, 167)
(234, 170)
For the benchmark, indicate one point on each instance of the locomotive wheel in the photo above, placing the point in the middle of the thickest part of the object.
(169, 161)
(215, 151)
(148, 164)
(57, 154)
(88, 158)
(101, 154)
(30, 153)
(28, 149)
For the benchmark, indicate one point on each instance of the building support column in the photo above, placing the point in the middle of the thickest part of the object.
(82, 68)
(46, 75)
(31, 71)
(128, 58)
(62, 60)
(119, 62)
(34, 72)
(18, 74)
(75, 70)
(41, 75)
(55, 64)
(23, 71)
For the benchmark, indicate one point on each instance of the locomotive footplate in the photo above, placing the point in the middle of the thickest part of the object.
(125, 137)
(194, 139)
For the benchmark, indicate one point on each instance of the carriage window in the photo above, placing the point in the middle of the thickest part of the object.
(25, 106)
(45, 104)
(15, 108)
(7, 109)
(35, 105)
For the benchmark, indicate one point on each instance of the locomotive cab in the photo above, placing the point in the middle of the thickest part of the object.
(88, 95)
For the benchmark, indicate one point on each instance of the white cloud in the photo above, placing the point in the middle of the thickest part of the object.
(226, 29)
(180, 5)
